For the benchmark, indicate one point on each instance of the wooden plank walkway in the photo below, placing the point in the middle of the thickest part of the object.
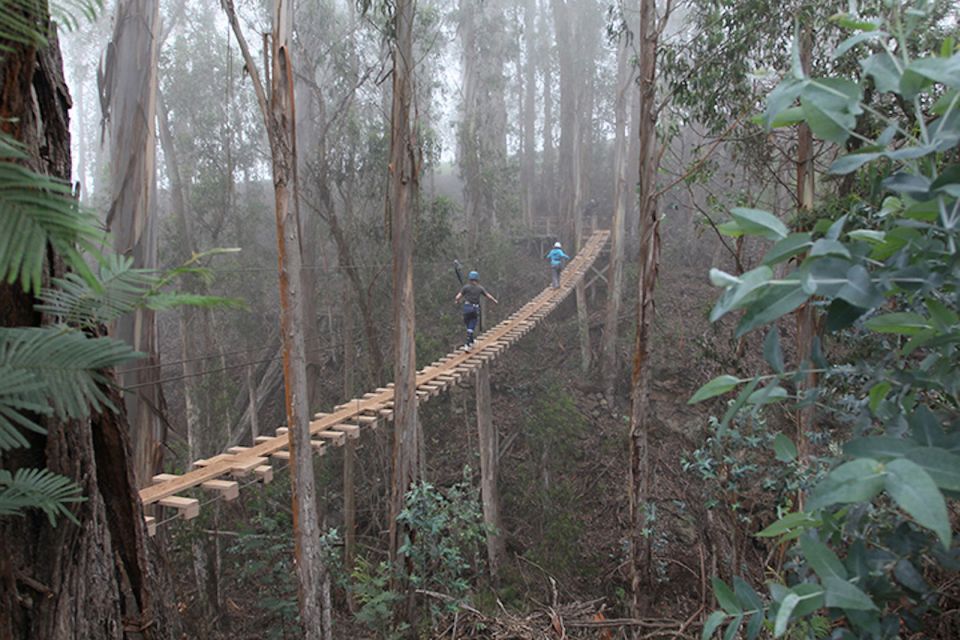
(348, 420)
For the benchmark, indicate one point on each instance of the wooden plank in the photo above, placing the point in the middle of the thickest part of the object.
(352, 430)
(337, 437)
(209, 462)
(163, 477)
(262, 439)
(283, 454)
(187, 508)
(151, 523)
(319, 446)
(236, 450)
(244, 466)
(264, 473)
(228, 489)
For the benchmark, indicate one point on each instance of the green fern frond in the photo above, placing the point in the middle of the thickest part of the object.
(52, 371)
(38, 210)
(121, 289)
(38, 489)
(20, 23)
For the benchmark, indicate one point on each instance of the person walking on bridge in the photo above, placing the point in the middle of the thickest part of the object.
(557, 259)
(471, 294)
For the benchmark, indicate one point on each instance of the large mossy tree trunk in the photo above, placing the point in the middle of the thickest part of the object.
(90, 580)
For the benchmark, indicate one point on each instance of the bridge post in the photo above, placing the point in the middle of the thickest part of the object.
(349, 514)
(489, 464)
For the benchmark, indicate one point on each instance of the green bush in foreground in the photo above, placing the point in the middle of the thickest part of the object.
(876, 528)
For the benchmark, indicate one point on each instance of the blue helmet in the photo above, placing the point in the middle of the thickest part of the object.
(473, 275)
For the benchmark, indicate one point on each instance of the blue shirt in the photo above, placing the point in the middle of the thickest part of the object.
(557, 256)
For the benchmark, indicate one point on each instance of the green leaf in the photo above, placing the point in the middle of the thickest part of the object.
(716, 387)
(52, 370)
(784, 449)
(878, 394)
(868, 235)
(787, 118)
(38, 489)
(771, 393)
(824, 561)
(772, 352)
(916, 493)
(946, 71)
(854, 24)
(712, 624)
(720, 278)
(774, 302)
(748, 598)
(792, 245)
(859, 289)
(732, 410)
(902, 322)
(788, 524)
(781, 98)
(824, 247)
(856, 39)
(739, 294)
(877, 447)
(851, 162)
(725, 597)
(942, 466)
(755, 222)
(855, 481)
(831, 106)
(843, 595)
(733, 628)
(789, 603)
(885, 71)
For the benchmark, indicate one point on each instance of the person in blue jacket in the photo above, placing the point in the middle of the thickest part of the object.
(557, 259)
(471, 294)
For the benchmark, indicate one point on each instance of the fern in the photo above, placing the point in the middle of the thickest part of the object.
(38, 489)
(120, 289)
(39, 210)
(20, 23)
(52, 371)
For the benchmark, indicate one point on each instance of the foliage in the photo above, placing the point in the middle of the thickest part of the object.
(443, 533)
(446, 531)
(884, 272)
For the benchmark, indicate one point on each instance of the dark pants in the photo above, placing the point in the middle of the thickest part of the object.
(471, 314)
(557, 268)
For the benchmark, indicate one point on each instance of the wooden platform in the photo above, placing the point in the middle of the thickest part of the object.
(349, 419)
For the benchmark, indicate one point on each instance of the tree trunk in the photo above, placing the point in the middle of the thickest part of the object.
(280, 120)
(568, 119)
(489, 450)
(403, 176)
(649, 262)
(548, 167)
(609, 361)
(131, 92)
(527, 180)
(68, 582)
(806, 319)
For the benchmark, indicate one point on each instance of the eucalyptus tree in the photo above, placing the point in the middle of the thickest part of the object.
(621, 197)
(129, 89)
(642, 509)
(482, 135)
(277, 109)
(402, 203)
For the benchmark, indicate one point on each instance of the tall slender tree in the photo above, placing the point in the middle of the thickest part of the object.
(280, 120)
(648, 38)
(621, 195)
(130, 93)
(402, 194)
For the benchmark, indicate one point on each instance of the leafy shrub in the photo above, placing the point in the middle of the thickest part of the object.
(875, 526)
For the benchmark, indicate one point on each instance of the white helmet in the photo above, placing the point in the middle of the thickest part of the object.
(556, 245)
